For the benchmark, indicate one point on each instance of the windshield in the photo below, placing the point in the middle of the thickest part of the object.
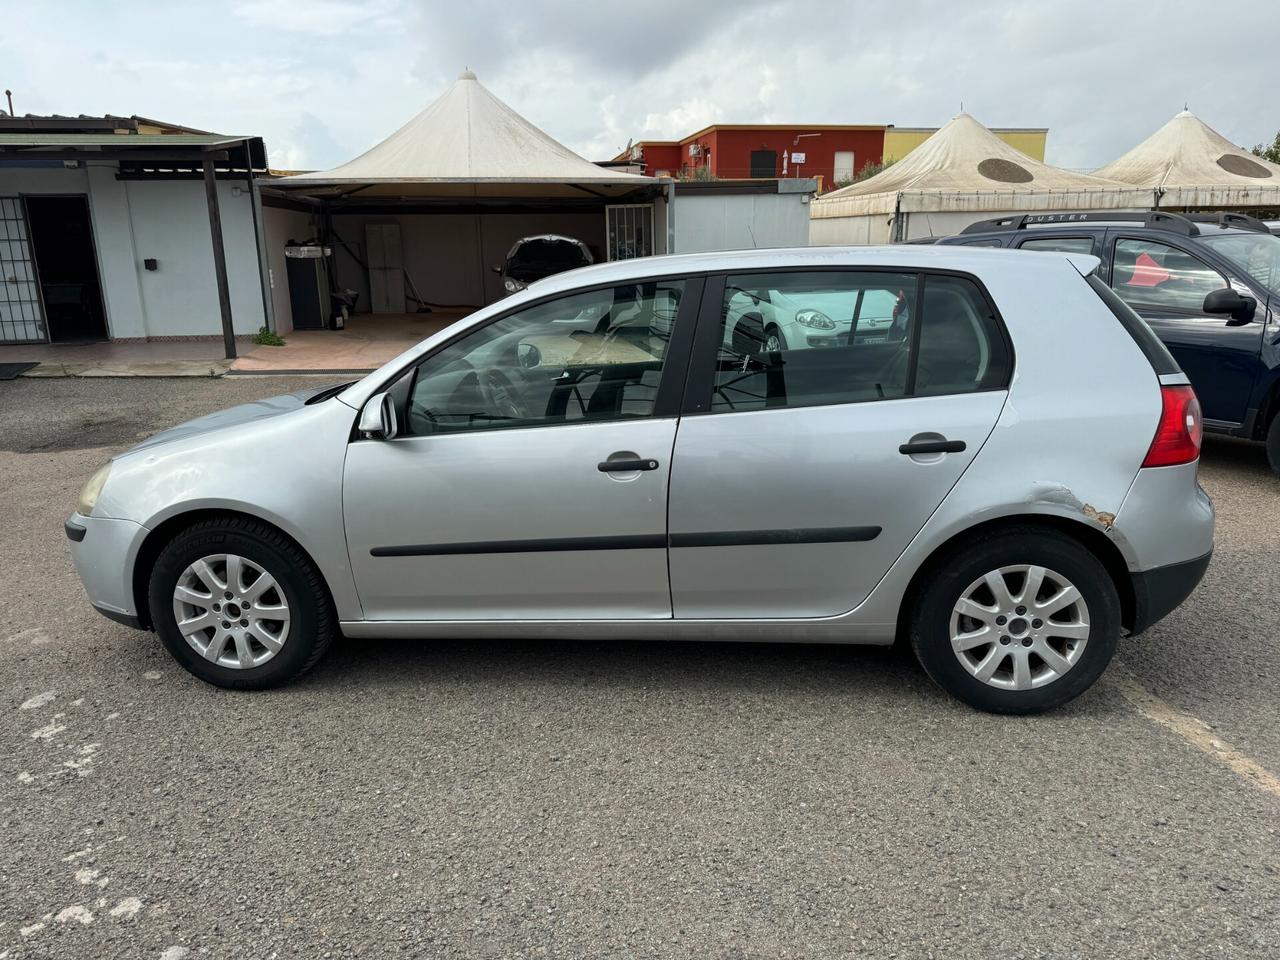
(1256, 254)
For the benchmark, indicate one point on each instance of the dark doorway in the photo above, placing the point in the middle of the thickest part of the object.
(764, 163)
(62, 241)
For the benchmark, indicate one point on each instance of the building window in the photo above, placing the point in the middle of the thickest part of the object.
(843, 172)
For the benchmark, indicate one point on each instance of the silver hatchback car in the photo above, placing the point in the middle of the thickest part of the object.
(1003, 476)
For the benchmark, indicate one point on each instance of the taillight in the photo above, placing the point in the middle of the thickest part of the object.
(1177, 437)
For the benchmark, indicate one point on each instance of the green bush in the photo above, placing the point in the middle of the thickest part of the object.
(268, 338)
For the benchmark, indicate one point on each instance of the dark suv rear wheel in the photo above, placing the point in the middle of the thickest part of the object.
(1273, 444)
(1021, 622)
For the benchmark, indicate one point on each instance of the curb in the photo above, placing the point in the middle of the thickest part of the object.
(169, 368)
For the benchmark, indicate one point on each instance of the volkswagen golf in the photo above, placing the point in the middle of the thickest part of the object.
(999, 467)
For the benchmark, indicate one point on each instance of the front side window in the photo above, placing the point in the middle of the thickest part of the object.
(1059, 244)
(1151, 274)
(1256, 254)
(595, 355)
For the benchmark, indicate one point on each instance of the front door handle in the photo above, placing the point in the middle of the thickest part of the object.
(931, 446)
(626, 466)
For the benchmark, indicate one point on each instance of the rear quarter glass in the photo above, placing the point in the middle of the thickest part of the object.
(1152, 348)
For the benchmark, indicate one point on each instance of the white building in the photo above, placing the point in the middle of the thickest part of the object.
(105, 231)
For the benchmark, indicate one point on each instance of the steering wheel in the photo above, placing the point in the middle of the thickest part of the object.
(500, 395)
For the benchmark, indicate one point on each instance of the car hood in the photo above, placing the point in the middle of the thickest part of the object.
(240, 415)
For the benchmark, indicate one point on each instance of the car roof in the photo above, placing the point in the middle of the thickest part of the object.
(904, 256)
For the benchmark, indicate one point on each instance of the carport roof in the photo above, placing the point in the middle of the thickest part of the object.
(466, 143)
(39, 138)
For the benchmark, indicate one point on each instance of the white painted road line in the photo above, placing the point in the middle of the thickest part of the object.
(1191, 729)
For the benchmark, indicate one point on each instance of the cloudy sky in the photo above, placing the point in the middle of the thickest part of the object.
(322, 80)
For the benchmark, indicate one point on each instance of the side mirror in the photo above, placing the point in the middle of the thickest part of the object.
(378, 418)
(1231, 303)
(496, 269)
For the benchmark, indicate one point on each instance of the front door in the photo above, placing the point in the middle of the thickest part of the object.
(764, 164)
(62, 241)
(1167, 285)
(530, 478)
(803, 469)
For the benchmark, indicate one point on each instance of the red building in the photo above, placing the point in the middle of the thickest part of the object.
(833, 152)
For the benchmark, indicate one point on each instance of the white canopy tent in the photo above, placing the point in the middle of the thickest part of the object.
(446, 195)
(1187, 164)
(961, 174)
(472, 141)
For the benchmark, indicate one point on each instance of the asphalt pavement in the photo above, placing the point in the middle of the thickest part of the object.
(558, 799)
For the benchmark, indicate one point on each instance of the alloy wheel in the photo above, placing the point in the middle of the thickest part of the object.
(231, 611)
(1020, 627)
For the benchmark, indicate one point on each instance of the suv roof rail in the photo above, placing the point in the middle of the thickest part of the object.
(1241, 221)
(1159, 219)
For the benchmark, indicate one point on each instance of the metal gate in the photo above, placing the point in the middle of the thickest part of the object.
(630, 229)
(21, 314)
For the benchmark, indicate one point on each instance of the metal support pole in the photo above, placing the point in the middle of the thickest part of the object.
(219, 258)
(259, 239)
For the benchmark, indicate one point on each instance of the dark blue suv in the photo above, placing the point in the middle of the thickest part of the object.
(1208, 284)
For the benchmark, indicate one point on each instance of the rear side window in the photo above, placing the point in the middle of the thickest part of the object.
(962, 347)
(1152, 348)
(810, 339)
(1059, 244)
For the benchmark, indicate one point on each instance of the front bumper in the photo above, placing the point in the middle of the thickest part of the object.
(1159, 591)
(104, 552)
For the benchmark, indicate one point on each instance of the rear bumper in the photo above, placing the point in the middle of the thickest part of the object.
(1159, 591)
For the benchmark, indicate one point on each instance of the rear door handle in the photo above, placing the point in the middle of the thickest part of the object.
(625, 466)
(931, 446)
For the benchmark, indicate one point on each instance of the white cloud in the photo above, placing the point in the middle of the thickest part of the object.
(322, 80)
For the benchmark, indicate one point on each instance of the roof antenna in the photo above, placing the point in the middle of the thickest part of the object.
(8, 95)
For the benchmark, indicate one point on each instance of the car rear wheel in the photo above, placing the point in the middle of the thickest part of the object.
(1022, 622)
(240, 605)
(1273, 444)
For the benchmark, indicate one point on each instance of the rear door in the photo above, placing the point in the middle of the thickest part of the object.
(800, 475)
(1166, 284)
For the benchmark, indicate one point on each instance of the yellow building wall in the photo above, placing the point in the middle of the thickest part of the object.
(898, 143)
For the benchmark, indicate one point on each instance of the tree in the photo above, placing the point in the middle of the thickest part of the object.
(869, 169)
(1269, 151)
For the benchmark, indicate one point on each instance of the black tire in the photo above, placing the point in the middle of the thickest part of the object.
(1273, 444)
(775, 331)
(313, 622)
(931, 618)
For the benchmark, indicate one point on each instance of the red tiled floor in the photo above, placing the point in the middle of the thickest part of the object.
(367, 343)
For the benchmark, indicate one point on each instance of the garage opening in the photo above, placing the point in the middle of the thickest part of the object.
(429, 224)
(67, 268)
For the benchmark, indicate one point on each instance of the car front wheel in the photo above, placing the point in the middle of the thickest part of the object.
(240, 605)
(1022, 622)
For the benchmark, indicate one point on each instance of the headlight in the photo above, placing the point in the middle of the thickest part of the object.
(512, 286)
(89, 495)
(816, 319)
